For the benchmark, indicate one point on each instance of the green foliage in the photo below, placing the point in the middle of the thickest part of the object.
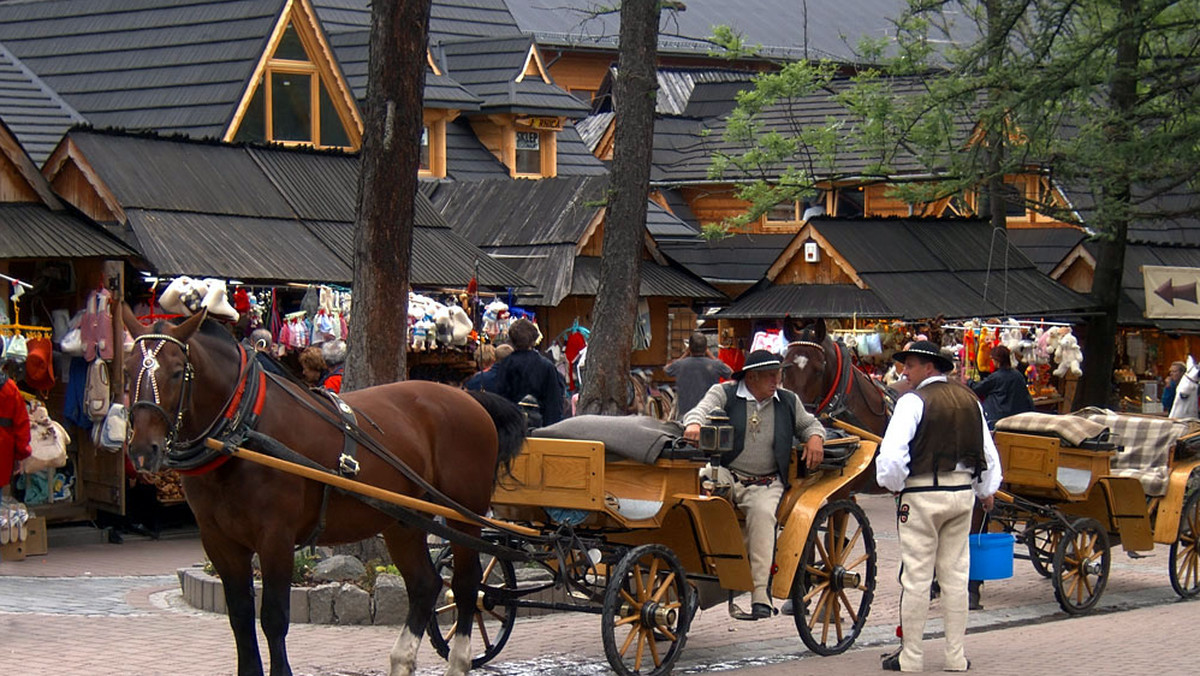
(305, 562)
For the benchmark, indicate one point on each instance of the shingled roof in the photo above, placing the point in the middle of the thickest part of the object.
(175, 66)
(35, 224)
(783, 28)
(684, 148)
(494, 70)
(536, 227)
(36, 115)
(915, 269)
(260, 213)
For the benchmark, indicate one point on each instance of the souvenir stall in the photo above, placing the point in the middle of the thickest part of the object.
(1143, 360)
(59, 346)
(1047, 352)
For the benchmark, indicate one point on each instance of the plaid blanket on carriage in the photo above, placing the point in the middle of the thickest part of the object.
(1146, 445)
(1072, 429)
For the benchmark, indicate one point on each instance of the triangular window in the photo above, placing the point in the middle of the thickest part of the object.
(291, 102)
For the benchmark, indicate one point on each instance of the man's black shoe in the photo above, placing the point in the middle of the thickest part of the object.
(761, 611)
(891, 661)
(787, 608)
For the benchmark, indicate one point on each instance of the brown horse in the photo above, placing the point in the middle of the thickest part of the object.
(193, 381)
(820, 371)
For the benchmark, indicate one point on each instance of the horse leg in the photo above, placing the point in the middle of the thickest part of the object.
(277, 561)
(465, 583)
(410, 555)
(232, 563)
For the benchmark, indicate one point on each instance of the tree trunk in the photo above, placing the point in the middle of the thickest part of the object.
(606, 384)
(1115, 194)
(387, 187)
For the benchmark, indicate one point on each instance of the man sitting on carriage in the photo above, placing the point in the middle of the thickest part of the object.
(766, 419)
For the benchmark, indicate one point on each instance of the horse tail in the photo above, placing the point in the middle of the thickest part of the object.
(510, 427)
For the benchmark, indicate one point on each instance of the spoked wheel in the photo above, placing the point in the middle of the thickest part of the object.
(646, 612)
(1081, 563)
(834, 585)
(1042, 541)
(493, 619)
(1185, 559)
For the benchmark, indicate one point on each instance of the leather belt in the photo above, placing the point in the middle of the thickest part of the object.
(753, 479)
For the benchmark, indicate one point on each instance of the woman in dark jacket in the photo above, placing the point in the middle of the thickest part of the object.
(1004, 392)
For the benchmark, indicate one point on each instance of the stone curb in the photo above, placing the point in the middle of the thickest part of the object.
(329, 603)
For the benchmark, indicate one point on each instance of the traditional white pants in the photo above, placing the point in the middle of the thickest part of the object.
(759, 503)
(933, 527)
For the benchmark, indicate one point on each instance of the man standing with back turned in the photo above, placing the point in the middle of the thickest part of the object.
(694, 373)
(937, 454)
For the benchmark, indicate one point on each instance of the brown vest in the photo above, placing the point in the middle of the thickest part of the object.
(950, 431)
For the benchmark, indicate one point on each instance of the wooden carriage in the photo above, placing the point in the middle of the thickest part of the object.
(636, 517)
(1069, 500)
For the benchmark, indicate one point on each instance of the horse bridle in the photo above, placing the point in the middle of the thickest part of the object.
(837, 379)
(149, 371)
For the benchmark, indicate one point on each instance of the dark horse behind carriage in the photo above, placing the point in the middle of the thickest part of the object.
(192, 382)
(821, 371)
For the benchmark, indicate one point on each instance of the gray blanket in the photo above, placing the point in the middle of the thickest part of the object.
(632, 437)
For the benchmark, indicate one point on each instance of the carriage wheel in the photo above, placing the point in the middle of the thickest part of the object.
(1042, 541)
(835, 582)
(493, 620)
(647, 611)
(1081, 563)
(1185, 558)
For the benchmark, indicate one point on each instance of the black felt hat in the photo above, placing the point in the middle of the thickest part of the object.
(758, 360)
(926, 349)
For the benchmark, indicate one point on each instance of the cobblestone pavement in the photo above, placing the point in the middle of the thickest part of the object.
(104, 609)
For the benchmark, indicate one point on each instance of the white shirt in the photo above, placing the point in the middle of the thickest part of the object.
(891, 465)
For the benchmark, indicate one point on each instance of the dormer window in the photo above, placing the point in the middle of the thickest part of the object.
(291, 103)
(529, 153)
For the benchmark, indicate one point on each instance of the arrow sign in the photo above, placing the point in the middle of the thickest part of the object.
(1169, 292)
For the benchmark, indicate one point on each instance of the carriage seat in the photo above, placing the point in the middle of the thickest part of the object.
(632, 437)
(1073, 430)
(1146, 443)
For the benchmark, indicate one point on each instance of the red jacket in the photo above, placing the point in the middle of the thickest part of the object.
(14, 429)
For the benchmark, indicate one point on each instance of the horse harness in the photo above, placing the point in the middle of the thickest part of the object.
(236, 427)
(835, 398)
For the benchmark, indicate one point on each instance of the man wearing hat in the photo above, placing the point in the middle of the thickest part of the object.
(938, 455)
(765, 419)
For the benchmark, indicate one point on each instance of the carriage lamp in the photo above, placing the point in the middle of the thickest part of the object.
(717, 435)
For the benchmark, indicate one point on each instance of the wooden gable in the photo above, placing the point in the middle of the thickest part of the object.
(831, 268)
(74, 178)
(534, 67)
(19, 178)
(300, 16)
(1077, 270)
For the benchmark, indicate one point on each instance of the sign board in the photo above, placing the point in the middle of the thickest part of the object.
(1171, 293)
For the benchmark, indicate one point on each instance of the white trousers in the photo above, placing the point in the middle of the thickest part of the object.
(933, 528)
(759, 503)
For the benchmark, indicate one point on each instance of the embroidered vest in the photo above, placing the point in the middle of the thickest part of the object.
(785, 427)
(950, 431)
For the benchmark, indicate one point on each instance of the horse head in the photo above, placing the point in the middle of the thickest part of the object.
(1185, 405)
(158, 374)
(807, 363)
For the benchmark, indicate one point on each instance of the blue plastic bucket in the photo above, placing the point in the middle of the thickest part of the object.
(991, 556)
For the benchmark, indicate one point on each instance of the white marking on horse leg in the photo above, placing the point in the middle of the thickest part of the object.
(404, 654)
(460, 656)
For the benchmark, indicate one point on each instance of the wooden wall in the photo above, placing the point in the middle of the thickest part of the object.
(13, 186)
(554, 321)
(71, 184)
(1078, 276)
(825, 271)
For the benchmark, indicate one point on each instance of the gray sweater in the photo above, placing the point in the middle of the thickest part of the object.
(758, 457)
